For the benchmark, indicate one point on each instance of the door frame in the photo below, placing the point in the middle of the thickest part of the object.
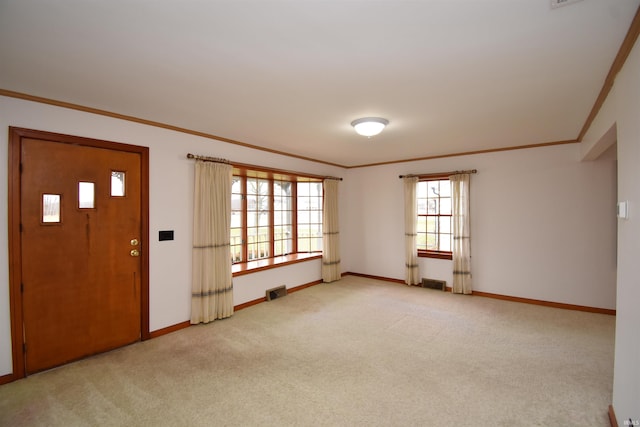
(16, 135)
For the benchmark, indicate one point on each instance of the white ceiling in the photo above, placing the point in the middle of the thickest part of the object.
(451, 76)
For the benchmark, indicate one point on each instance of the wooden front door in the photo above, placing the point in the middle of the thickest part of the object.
(81, 243)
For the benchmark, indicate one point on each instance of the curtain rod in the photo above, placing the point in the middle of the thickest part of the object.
(427, 175)
(207, 159)
(262, 168)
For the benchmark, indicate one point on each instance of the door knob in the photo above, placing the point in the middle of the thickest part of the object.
(135, 252)
(134, 242)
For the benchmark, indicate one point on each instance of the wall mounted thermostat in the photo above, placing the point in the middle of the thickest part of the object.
(623, 210)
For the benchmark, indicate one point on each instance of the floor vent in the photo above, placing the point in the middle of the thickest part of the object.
(278, 292)
(434, 284)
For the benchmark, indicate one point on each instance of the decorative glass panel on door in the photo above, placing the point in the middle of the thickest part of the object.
(51, 208)
(117, 184)
(86, 195)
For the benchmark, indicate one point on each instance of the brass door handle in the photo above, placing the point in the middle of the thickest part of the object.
(134, 242)
(134, 252)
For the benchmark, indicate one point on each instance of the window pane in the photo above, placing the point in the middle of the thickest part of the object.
(315, 230)
(432, 242)
(421, 241)
(282, 188)
(303, 217)
(422, 189)
(236, 219)
(434, 188)
(263, 187)
(236, 253)
(236, 236)
(281, 203)
(316, 245)
(315, 203)
(252, 186)
(263, 218)
(263, 203)
(422, 223)
(316, 189)
(252, 202)
(445, 224)
(252, 251)
(264, 248)
(432, 206)
(236, 202)
(263, 234)
(117, 184)
(422, 206)
(236, 185)
(432, 224)
(287, 217)
(51, 208)
(252, 219)
(445, 188)
(86, 195)
(445, 242)
(445, 206)
(315, 217)
(277, 248)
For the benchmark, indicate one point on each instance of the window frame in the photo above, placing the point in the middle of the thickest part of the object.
(272, 176)
(430, 253)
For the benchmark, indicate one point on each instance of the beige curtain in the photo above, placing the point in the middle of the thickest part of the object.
(330, 232)
(412, 273)
(461, 235)
(212, 288)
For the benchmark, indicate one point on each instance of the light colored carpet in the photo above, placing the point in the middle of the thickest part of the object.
(357, 352)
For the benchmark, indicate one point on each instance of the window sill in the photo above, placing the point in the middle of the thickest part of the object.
(435, 254)
(268, 263)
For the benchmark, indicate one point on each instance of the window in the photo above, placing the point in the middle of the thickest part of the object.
(274, 214)
(434, 237)
(309, 216)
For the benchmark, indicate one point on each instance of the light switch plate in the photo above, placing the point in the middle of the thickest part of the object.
(623, 210)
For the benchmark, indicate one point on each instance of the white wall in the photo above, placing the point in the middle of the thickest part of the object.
(626, 383)
(171, 201)
(543, 223)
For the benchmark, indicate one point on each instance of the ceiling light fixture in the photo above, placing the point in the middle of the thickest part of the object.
(369, 126)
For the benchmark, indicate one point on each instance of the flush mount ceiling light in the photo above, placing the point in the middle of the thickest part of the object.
(369, 126)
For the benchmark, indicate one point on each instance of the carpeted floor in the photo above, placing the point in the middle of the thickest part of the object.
(357, 352)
